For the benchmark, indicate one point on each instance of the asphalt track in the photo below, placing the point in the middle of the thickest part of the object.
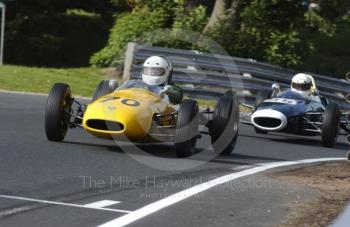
(58, 184)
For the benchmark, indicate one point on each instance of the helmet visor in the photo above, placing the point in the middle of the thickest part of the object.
(153, 71)
(301, 87)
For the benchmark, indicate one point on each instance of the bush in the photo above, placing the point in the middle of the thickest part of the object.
(54, 40)
(332, 56)
(128, 27)
(185, 32)
(154, 23)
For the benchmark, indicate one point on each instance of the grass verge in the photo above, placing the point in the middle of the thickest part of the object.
(83, 81)
(331, 180)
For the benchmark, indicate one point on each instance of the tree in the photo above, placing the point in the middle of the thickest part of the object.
(271, 31)
(228, 11)
(156, 22)
(56, 33)
(334, 9)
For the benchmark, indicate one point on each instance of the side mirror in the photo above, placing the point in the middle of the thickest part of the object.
(275, 86)
(275, 89)
(113, 84)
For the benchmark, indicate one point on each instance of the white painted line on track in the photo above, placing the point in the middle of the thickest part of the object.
(243, 167)
(101, 204)
(14, 211)
(22, 93)
(37, 94)
(62, 204)
(182, 195)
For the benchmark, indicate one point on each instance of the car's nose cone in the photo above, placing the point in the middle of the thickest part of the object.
(269, 120)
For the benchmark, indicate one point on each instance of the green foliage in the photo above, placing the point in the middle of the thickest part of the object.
(128, 27)
(318, 24)
(152, 22)
(277, 31)
(193, 20)
(269, 32)
(222, 33)
(60, 40)
(186, 30)
(333, 10)
(55, 33)
(275, 14)
(332, 55)
(284, 32)
(287, 49)
(167, 5)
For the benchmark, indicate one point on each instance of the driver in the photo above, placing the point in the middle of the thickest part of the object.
(304, 85)
(156, 72)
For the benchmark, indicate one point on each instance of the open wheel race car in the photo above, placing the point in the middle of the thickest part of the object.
(135, 112)
(289, 112)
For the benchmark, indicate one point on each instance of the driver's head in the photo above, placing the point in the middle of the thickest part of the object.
(302, 83)
(155, 71)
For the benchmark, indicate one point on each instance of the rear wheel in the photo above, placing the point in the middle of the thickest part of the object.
(103, 89)
(57, 112)
(330, 126)
(225, 124)
(186, 128)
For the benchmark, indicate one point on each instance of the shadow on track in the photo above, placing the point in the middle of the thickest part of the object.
(168, 151)
(156, 149)
(295, 140)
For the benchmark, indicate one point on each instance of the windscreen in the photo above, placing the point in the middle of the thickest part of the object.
(139, 84)
(290, 95)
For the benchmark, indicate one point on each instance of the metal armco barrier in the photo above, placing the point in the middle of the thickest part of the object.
(209, 75)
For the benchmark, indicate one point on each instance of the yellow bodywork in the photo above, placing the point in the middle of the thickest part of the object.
(133, 109)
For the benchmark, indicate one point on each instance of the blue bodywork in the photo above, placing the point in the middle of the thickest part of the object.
(296, 108)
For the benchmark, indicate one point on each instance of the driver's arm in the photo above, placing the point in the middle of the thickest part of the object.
(175, 94)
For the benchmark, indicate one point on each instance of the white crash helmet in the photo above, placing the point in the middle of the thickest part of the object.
(302, 84)
(156, 71)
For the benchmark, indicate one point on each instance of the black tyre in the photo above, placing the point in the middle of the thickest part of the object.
(57, 116)
(225, 124)
(330, 126)
(102, 89)
(262, 96)
(186, 128)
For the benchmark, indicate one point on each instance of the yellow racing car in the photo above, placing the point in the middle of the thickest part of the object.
(136, 112)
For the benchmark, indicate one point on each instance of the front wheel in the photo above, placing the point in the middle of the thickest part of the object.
(186, 128)
(225, 124)
(330, 126)
(57, 116)
(105, 87)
